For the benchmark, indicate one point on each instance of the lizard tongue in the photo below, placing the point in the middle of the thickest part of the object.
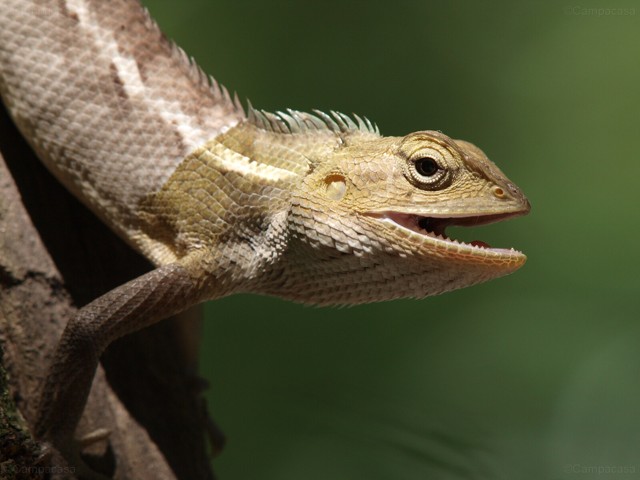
(479, 243)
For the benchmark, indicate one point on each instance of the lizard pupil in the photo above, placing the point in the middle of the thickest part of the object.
(427, 166)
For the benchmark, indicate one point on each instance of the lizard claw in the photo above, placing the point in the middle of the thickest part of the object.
(97, 435)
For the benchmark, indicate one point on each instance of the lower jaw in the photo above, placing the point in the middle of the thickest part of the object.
(416, 223)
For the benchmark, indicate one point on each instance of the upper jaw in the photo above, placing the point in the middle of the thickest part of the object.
(437, 223)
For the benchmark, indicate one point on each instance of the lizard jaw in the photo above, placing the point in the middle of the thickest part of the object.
(433, 229)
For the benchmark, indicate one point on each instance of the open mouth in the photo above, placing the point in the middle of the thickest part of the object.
(436, 227)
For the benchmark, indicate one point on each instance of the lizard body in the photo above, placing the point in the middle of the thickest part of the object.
(317, 208)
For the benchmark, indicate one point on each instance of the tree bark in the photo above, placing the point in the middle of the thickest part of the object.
(55, 256)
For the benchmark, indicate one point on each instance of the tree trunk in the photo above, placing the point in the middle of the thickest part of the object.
(55, 256)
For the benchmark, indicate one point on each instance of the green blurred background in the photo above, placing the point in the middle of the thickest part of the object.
(533, 376)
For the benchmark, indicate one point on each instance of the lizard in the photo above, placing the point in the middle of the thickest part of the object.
(318, 208)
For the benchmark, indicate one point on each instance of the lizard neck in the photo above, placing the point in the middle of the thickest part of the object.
(231, 198)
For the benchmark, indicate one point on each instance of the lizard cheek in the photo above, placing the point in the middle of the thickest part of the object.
(336, 187)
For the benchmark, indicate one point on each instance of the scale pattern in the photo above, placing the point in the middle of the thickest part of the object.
(109, 104)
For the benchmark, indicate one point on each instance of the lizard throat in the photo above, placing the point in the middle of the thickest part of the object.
(435, 227)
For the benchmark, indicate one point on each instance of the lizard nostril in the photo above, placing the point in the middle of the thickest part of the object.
(514, 190)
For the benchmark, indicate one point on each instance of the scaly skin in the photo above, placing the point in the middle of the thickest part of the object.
(314, 208)
(325, 215)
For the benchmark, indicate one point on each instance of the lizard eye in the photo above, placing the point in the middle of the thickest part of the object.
(426, 166)
(428, 169)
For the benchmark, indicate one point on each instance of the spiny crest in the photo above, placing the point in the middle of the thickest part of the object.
(209, 83)
(199, 77)
(295, 121)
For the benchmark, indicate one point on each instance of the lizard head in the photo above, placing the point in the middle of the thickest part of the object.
(383, 205)
(371, 212)
(423, 183)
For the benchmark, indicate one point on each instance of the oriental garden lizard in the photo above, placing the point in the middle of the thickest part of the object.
(317, 208)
